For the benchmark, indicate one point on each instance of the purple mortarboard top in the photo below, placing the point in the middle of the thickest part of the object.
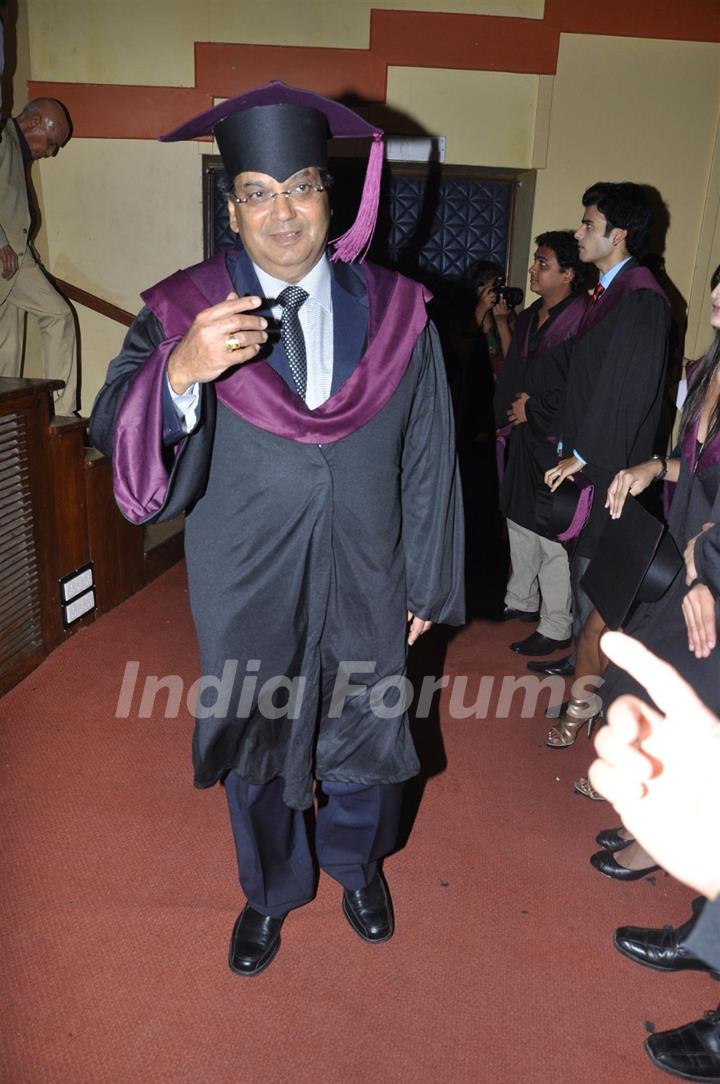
(278, 130)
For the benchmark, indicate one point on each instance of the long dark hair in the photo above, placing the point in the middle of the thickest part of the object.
(704, 372)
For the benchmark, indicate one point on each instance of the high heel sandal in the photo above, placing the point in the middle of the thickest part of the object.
(584, 787)
(569, 726)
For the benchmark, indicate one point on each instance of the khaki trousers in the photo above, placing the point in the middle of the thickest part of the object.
(540, 580)
(33, 292)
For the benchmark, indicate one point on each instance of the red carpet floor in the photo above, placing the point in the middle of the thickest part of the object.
(120, 892)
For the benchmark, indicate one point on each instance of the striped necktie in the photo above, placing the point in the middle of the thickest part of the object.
(597, 293)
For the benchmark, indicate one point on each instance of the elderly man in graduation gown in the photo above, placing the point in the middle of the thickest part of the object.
(316, 466)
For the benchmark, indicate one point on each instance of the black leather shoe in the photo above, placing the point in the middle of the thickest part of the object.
(607, 865)
(254, 942)
(537, 644)
(691, 1051)
(369, 911)
(662, 950)
(509, 614)
(611, 840)
(560, 668)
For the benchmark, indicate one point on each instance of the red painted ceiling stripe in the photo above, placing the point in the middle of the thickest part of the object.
(227, 69)
(691, 20)
(105, 111)
(476, 42)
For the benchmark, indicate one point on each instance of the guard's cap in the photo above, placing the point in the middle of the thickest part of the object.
(278, 130)
(636, 560)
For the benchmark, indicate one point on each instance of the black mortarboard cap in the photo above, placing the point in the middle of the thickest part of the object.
(278, 130)
(636, 560)
(562, 514)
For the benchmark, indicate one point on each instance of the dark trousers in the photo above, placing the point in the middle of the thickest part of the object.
(354, 829)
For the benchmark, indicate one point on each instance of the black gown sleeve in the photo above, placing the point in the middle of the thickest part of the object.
(508, 385)
(432, 514)
(547, 390)
(185, 464)
(616, 417)
(144, 335)
(707, 559)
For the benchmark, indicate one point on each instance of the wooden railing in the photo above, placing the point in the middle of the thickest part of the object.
(57, 516)
(92, 301)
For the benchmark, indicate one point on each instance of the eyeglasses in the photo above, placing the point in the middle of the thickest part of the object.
(299, 193)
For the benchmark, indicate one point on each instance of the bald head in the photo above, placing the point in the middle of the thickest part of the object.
(45, 123)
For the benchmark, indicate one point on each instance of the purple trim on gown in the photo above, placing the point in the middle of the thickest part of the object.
(254, 391)
(563, 327)
(627, 282)
(709, 453)
(140, 470)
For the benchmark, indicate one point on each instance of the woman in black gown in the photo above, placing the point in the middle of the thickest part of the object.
(682, 626)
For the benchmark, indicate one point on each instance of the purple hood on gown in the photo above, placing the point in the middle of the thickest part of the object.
(254, 391)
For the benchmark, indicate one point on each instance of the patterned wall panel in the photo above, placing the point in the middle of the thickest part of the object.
(446, 224)
(431, 224)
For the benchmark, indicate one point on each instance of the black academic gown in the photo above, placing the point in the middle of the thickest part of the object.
(661, 626)
(614, 392)
(541, 373)
(303, 556)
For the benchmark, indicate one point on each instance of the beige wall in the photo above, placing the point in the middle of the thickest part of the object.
(655, 121)
(120, 214)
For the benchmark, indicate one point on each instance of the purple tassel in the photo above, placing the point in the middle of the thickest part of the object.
(501, 438)
(354, 243)
(581, 515)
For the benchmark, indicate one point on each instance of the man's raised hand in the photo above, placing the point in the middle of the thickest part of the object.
(204, 355)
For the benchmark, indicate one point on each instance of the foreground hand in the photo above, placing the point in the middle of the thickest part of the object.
(516, 414)
(698, 609)
(661, 774)
(501, 310)
(689, 555)
(203, 354)
(634, 480)
(418, 626)
(565, 468)
(8, 261)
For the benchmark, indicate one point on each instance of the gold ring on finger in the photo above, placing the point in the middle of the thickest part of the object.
(232, 343)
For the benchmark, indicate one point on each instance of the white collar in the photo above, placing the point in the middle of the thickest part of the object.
(317, 282)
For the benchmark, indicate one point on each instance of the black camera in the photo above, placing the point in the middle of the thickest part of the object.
(511, 295)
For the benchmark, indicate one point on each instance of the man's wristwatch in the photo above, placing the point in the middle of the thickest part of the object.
(661, 459)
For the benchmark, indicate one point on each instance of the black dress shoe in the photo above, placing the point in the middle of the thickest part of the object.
(560, 668)
(691, 1051)
(509, 614)
(254, 942)
(369, 910)
(607, 865)
(611, 840)
(537, 644)
(662, 950)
